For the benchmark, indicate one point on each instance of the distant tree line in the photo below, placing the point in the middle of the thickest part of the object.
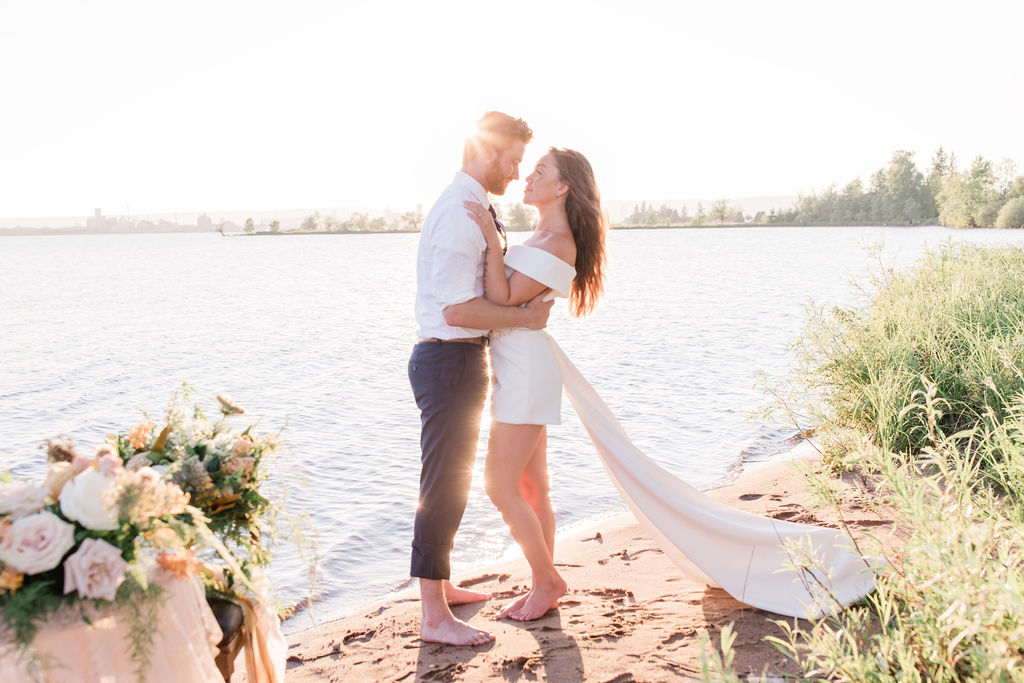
(722, 212)
(985, 195)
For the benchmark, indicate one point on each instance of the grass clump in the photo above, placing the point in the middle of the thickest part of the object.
(956, 321)
(950, 604)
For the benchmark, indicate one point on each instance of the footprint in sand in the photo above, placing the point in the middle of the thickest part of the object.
(751, 496)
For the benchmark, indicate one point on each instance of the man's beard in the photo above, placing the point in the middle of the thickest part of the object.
(496, 180)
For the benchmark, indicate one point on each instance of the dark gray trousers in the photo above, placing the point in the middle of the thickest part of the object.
(449, 381)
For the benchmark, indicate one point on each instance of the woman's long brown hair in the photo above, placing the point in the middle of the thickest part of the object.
(588, 224)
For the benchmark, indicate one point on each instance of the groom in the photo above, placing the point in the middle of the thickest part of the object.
(448, 367)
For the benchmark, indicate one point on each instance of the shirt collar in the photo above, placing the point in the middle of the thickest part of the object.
(473, 185)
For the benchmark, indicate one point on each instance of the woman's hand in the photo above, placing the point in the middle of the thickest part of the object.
(482, 217)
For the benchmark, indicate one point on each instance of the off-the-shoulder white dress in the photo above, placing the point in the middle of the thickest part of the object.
(749, 556)
(527, 383)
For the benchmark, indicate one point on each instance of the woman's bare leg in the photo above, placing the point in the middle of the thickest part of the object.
(534, 485)
(510, 451)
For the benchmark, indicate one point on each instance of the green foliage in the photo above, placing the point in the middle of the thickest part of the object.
(948, 605)
(899, 194)
(520, 218)
(957, 320)
(1012, 214)
(250, 227)
(924, 392)
(718, 667)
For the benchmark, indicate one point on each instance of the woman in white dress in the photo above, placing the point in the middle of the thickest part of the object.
(565, 254)
(791, 569)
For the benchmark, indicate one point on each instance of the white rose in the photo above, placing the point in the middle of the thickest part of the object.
(36, 543)
(21, 498)
(88, 500)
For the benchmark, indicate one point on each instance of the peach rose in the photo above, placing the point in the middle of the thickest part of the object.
(60, 474)
(95, 570)
(243, 446)
(36, 543)
(243, 465)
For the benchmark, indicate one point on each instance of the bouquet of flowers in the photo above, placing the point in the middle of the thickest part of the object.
(89, 532)
(182, 496)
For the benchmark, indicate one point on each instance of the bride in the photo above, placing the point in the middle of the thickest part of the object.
(788, 568)
(527, 389)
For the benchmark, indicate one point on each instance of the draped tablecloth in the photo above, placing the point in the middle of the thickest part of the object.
(66, 648)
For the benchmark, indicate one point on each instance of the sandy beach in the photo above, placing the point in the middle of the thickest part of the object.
(629, 614)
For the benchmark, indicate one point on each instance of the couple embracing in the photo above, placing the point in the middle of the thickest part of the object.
(473, 295)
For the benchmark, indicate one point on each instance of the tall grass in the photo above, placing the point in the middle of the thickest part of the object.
(957, 321)
(923, 391)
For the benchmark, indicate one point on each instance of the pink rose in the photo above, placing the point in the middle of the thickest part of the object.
(21, 498)
(95, 570)
(107, 461)
(36, 543)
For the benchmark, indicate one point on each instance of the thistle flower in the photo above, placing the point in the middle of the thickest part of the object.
(191, 475)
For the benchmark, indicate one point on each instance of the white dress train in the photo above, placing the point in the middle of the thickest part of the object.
(751, 557)
(745, 554)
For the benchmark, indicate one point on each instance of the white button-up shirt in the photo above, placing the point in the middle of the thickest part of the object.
(450, 261)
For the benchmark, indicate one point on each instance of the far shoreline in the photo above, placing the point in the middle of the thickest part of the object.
(65, 232)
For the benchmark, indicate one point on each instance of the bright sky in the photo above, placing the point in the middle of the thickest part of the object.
(250, 105)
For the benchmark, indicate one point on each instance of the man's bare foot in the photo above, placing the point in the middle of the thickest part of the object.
(515, 606)
(541, 599)
(452, 631)
(454, 595)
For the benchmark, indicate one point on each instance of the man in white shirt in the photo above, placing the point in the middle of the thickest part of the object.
(448, 367)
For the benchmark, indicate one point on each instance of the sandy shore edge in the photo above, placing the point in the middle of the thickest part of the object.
(629, 615)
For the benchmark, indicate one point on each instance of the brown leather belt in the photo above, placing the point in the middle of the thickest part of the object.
(479, 341)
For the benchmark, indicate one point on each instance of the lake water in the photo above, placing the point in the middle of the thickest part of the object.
(312, 334)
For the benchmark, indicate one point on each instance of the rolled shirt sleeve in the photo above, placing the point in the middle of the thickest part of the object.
(457, 262)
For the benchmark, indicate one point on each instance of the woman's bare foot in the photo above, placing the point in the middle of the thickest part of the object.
(514, 607)
(453, 631)
(454, 595)
(540, 599)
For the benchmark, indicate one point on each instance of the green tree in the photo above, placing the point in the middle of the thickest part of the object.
(275, 226)
(250, 227)
(519, 219)
(967, 198)
(719, 211)
(310, 222)
(1012, 214)
(700, 217)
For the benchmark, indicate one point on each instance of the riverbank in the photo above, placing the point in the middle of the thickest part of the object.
(629, 614)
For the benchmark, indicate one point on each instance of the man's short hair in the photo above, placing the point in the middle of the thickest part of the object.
(497, 129)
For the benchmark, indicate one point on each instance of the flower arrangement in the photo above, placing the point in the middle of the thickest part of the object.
(88, 532)
(221, 468)
(184, 497)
